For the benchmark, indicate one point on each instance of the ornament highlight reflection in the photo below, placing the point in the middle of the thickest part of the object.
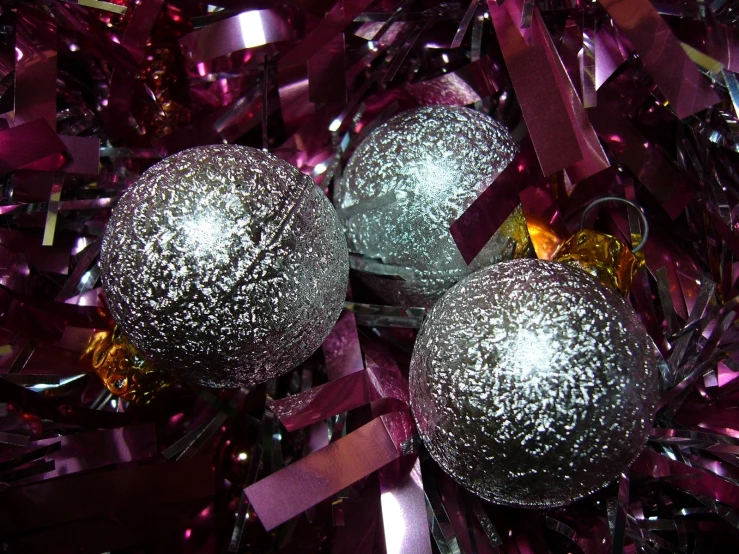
(393, 520)
(252, 29)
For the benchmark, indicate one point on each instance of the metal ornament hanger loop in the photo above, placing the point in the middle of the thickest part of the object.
(645, 223)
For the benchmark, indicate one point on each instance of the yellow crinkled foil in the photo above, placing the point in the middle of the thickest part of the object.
(604, 257)
(122, 368)
(543, 237)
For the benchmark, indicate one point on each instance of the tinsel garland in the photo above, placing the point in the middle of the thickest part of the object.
(632, 99)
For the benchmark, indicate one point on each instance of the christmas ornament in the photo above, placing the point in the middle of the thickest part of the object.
(532, 384)
(403, 187)
(224, 265)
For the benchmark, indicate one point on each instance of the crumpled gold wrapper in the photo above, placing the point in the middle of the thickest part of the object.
(603, 256)
(122, 368)
(544, 238)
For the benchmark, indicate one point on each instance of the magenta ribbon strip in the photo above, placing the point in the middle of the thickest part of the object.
(464, 24)
(385, 374)
(341, 349)
(45, 258)
(383, 385)
(31, 308)
(140, 26)
(249, 29)
(319, 403)
(292, 490)
(35, 83)
(452, 497)
(661, 253)
(661, 53)
(723, 45)
(84, 156)
(341, 395)
(609, 55)
(692, 480)
(586, 63)
(48, 164)
(293, 71)
(85, 451)
(402, 497)
(27, 143)
(339, 18)
(349, 385)
(92, 38)
(50, 360)
(474, 228)
(404, 512)
(86, 495)
(534, 81)
(594, 158)
(631, 148)
(381, 381)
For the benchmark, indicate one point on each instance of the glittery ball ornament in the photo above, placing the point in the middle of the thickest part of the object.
(533, 385)
(225, 265)
(404, 186)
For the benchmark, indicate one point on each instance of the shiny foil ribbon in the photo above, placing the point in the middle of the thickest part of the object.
(249, 29)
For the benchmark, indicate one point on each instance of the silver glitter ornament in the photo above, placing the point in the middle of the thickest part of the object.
(225, 265)
(404, 186)
(533, 385)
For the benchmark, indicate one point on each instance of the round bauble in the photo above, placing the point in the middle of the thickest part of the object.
(225, 265)
(404, 186)
(533, 385)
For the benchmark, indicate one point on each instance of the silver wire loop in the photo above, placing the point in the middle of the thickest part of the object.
(594, 203)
